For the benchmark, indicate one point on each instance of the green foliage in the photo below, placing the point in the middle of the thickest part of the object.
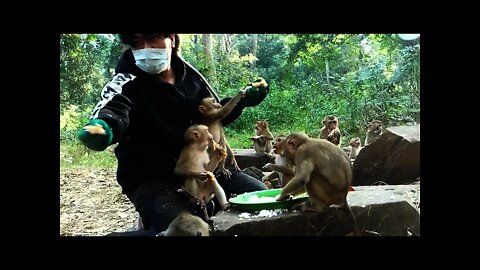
(85, 64)
(75, 155)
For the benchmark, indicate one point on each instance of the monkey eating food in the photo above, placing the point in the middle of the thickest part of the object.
(323, 169)
(212, 115)
(195, 168)
(262, 141)
(331, 130)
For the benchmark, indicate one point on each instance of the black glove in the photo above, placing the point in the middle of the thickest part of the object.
(255, 93)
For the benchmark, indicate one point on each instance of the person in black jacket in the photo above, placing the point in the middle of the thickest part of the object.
(147, 107)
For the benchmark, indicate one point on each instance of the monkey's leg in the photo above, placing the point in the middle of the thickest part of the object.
(319, 207)
(219, 193)
(204, 208)
(257, 147)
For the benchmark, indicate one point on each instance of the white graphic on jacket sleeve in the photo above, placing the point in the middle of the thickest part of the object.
(111, 89)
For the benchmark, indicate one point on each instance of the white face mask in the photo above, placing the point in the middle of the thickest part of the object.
(151, 60)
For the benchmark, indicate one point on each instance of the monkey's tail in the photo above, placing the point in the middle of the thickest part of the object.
(356, 230)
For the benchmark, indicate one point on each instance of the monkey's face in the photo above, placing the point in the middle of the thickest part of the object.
(355, 142)
(278, 145)
(332, 124)
(375, 126)
(208, 104)
(204, 137)
(289, 149)
(261, 125)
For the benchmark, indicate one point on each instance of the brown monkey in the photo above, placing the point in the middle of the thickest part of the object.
(355, 146)
(331, 130)
(323, 169)
(212, 115)
(374, 131)
(186, 224)
(282, 168)
(262, 141)
(195, 167)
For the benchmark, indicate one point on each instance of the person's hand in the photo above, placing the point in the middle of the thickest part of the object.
(96, 135)
(255, 93)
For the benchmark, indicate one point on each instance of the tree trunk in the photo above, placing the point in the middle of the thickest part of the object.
(207, 45)
(254, 49)
(226, 43)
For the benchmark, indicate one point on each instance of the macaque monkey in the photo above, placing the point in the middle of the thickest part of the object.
(355, 147)
(195, 167)
(262, 139)
(282, 169)
(212, 115)
(186, 224)
(330, 130)
(374, 131)
(323, 169)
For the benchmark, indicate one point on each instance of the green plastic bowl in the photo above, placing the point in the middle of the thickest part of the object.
(241, 201)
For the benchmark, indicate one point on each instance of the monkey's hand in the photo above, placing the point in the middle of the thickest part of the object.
(283, 197)
(204, 175)
(268, 184)
(226, 173)
(255, 138)
(96, 135)
(235, 164)
(267, 166)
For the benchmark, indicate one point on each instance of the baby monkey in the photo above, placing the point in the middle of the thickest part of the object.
(212, 115)
(186, 224)
(195, 168)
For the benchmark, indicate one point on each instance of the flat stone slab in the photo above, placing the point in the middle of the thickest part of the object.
(248, 158)
(383, 210)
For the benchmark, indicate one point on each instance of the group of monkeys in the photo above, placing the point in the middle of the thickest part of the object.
(317, 166)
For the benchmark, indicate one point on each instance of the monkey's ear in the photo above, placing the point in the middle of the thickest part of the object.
(292, 143)
(196, 134)
(201, 108)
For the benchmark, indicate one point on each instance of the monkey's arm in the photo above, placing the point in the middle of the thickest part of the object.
(303, 170)
(232, 155)
(228, 108)
(271, 176)
(213, 164)
(185, 171)
(268, 136)
(282, 169)
(185, 167)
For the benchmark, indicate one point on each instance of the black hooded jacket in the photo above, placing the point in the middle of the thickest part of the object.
(149, 118)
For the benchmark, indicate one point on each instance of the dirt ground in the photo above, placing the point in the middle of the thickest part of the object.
(92, 204)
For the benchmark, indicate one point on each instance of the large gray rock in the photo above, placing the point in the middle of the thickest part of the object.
(248, 158)
(394, 158)
(386, 210)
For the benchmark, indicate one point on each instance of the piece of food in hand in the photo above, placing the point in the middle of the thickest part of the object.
(95, 129)
(222, 151)
(255, 93)
(260, 82)
(210, 176)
